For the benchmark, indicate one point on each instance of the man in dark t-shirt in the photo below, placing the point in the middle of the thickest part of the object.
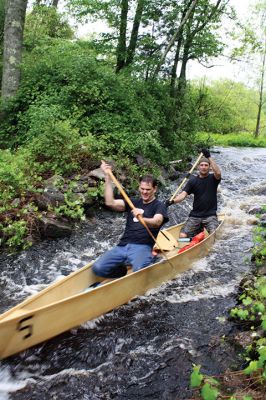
(135, 245)
(204, 187)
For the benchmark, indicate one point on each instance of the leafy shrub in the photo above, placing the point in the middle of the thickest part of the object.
(68, 79)
(14, 234)
(15, 177)
(54, 145)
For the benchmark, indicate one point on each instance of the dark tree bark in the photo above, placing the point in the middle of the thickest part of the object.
(13, 40)
(134, 34)
(176, 59)
(55, 3)
(192, 5)
(174, 67)
(122, 46)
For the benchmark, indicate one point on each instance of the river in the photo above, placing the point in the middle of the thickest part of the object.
(146, 348)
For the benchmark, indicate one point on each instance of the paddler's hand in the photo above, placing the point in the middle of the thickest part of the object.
(106, 168)
(206, 153)
(169, 202)
(136, 212)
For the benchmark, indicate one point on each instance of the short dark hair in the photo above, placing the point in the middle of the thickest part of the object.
(148, 179)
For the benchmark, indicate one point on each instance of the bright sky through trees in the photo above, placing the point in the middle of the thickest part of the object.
(222, 67)
(218, 69)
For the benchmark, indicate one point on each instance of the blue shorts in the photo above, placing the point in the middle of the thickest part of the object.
(113, 263)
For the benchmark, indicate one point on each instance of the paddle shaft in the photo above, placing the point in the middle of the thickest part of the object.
(187, 176)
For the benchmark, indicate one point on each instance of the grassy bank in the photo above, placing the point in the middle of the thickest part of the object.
(243, 139)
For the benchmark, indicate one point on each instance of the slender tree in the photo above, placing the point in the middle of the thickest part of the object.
(261, 101)
(2, 22)
(134, 33)
(192, 5)
(13, 41)
(122, 44)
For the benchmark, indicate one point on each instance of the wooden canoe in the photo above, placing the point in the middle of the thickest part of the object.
(66, 304)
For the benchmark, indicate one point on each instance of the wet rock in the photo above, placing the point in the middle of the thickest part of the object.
(244, 339)
(255, 210)
(262, 270)
(54, 181)
(97, 173)
(88, 180)
(16, 202)
(161, 180)
(263, 220)
(141, 161)
(51, 228)
(51, 196)
(173, 173)
(79, 188)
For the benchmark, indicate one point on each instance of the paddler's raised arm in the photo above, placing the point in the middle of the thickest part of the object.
(176, 199)
(110, 201)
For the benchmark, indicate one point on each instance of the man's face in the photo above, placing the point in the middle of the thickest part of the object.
(147, 191)
(204, 168)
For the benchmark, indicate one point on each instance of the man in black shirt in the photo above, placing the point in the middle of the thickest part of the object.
(204, 187)
(135, 246)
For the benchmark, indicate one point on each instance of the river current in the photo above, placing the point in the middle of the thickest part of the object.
(146, 348)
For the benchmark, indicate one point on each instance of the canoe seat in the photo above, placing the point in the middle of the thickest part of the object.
(166, 241)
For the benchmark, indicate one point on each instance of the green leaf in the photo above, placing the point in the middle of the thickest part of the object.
(262, 291)
(262, 355)
(247, 301)
(209, 393)
(263, 324)
(253, 366)
(196, 377)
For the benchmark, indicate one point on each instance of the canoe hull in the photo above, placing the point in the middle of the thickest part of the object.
(61, 307)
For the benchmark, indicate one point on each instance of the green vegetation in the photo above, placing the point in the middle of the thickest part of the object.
(250, 313)
(79, 101)
(243, 139)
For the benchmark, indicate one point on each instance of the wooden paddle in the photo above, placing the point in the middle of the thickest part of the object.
(187, 176)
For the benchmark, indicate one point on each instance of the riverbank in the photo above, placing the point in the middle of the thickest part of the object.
(249, 315)
(241, 139)
(54, 205)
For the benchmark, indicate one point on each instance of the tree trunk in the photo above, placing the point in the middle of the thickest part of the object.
(257, 129)
(55, 3)
(175, 64)
(182, 75)
(13, 41)
(122, 46)
(174, 37)
(134, 34)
